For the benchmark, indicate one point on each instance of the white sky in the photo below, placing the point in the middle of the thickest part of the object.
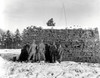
(22, 13)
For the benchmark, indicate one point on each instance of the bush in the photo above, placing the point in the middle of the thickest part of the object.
(78, 44)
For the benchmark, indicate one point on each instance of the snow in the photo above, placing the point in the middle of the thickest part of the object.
(13, 51)
(65, 69)
(2, 70)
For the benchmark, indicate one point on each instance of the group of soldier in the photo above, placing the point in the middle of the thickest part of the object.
(38, 52)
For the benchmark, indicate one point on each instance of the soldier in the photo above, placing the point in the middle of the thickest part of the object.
(37, 54)
(53, 52)
(32, 51)
(47, 53)
(24, 53)
(60, 51)
(41, 50)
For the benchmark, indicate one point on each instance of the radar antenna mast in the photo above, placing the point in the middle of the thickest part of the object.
(65, 14)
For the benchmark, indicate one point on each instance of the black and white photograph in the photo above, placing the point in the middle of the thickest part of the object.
(49, 38)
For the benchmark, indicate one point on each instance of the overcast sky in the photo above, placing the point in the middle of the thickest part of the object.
(22, 13)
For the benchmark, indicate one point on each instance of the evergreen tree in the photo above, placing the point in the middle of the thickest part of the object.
(8, 39)
(3, 39)
(51, 22)
(17, 39)
(2, 36)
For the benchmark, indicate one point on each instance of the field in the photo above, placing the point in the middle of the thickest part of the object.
(65, 69)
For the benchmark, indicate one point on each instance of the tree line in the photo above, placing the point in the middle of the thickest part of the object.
(81, 44)
(9, 40)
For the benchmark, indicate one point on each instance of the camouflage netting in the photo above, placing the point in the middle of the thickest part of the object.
(80, 45)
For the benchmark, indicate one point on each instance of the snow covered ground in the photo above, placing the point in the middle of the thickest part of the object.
(66, 69)
(13, 51)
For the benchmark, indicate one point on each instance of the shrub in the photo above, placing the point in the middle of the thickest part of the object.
(78, 44)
